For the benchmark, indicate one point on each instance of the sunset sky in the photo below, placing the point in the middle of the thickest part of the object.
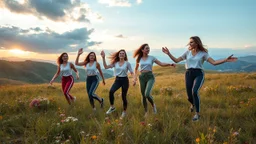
(43, 29)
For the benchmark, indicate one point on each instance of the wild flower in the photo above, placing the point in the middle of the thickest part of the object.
(143, 123)
(197, 140)
(94, 137)
(70, 119)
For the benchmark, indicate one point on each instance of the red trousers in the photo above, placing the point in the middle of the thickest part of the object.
(67, 83)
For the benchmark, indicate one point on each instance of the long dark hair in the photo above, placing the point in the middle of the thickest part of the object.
(138, 53)
(114, 57)
(87, 59)
(198, 41)
(59, 59)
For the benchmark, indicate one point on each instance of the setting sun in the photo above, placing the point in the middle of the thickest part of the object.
(17, 51)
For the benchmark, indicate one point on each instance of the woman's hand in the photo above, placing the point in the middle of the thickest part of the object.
(165, 50)
(102, 54)
(173, 65)
(231, 59)
(80, 51)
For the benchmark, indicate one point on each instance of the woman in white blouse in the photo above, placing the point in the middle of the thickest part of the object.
(92, 68)
(119, 62)
(146, 77)
(194, 77)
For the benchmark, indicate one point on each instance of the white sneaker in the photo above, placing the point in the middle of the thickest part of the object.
(110, 110)
(94, 109)
(74, 99)
(196, 117)
(154, 109)
(123, 115)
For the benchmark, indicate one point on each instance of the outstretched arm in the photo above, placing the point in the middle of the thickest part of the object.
(164, 64)
(101, 74)
(217, 62)
(166, 51)
(80, 51)
(77, 72)
(104, 60)
(56, 75)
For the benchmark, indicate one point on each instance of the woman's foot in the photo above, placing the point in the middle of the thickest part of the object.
(192, 108)
(123, 115)
(110, 110)
(196, 117)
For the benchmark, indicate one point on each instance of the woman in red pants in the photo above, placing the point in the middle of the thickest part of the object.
(65, 70)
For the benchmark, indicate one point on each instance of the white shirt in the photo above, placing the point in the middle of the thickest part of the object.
(91, 70)
(195, 61)
(65, 70)
(121, 71)
(147, 64)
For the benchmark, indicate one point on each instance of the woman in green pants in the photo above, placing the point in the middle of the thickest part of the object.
(147, 79)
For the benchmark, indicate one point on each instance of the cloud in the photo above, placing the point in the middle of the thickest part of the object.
(116, 3)
(139, 1)
(55, 10)
(120, 36)
(45, 41)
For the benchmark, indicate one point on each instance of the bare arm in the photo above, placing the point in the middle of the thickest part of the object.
(104, 60)
(217, 62)
(163, 64)
(166, 51)
(101, 74)
(77, 72)
(80, 51)
(56, 75)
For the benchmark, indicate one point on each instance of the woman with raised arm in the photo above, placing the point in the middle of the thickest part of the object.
(92, 67)
(119, 62)
(65, 70)
(194, 77)
(146, 78)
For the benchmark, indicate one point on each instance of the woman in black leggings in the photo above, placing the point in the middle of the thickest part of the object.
(121, 66)
(195, 57)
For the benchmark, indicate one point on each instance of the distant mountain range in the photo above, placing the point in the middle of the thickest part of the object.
(19, 72)
(243, 64)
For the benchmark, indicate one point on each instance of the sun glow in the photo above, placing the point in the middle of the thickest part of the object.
(17, 51)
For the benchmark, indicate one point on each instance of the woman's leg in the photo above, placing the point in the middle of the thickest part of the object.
(69, 81)
(125, 87)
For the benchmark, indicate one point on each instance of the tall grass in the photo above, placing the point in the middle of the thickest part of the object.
(228, 113)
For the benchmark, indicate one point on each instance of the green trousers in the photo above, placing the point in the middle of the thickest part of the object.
(147, 80)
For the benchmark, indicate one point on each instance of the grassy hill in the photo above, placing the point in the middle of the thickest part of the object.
(228, 113)
(33, 72)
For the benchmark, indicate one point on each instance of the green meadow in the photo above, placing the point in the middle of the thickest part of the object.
(228, 113)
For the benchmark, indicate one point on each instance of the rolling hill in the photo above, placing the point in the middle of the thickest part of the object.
(243, 64)
(33, 72)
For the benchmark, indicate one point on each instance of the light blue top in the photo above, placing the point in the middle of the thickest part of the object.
(65, 70)
(196, 61)
(91, 70)
(146, 65)
(121, 71)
